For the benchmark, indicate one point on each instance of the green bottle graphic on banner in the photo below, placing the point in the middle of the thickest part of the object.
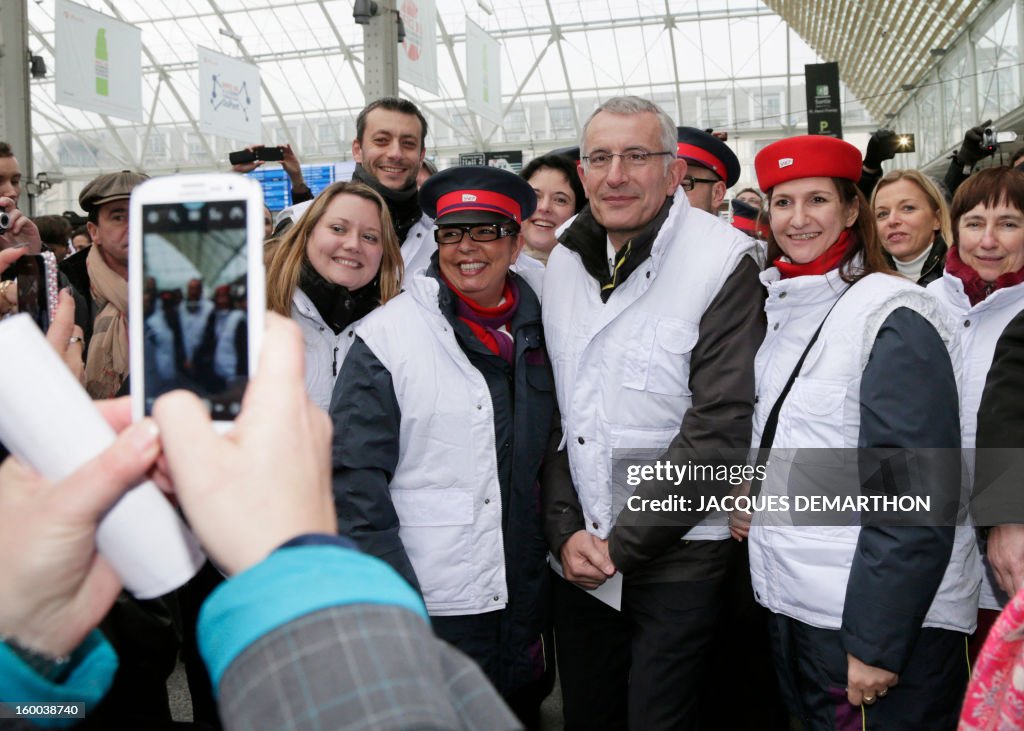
(102, 64)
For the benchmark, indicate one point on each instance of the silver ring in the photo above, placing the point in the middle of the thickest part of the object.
(75, 339)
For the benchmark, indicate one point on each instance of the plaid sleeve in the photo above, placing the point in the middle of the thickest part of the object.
(288, 584)
(358, 666)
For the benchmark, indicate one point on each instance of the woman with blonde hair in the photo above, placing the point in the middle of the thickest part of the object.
(338, 262)
(913, 224)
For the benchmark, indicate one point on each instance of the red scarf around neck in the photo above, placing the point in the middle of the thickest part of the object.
(485, 322)
(828, 260)
(976, 288)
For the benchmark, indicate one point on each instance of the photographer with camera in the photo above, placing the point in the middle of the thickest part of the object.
(979, 143)
(16, 229)
(883, 145)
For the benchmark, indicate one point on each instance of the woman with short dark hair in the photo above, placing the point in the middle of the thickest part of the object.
(560, 196)
(983, 289)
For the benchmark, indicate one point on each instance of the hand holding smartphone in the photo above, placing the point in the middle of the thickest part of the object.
(37, 289)
(259, 153)
(196, 289)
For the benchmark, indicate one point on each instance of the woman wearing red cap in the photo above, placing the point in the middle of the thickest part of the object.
(864, 613)
(442, 415)
(983, 288)
(337, 263)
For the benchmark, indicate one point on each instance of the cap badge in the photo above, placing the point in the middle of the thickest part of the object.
(468, 198)
(785, 162)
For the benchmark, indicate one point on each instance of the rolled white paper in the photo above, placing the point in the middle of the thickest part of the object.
(48, 421)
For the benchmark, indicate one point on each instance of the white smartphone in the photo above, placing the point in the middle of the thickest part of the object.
(196, 289)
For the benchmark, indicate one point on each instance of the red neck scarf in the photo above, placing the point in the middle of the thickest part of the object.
(485, 322)
(976, 288)
(828, 261)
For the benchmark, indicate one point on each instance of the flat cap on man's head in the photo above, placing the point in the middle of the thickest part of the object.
(109, 187)
(477, 194)
(706, 150)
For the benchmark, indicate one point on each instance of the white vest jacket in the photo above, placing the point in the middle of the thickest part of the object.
(622, 368)
(978, 330)
(418, 247)
(802, 571)
(449, 509)
(325, 351)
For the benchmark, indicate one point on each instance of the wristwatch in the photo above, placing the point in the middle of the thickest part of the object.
(54, 669)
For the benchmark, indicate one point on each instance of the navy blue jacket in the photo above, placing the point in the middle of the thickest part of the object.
(367, 421)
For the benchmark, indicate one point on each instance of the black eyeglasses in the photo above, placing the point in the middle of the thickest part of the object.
(481, 234)
(689, 181)
(631, 158)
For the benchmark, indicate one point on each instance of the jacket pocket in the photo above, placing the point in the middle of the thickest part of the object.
(668, 368)
(424, 507)
(814, 421)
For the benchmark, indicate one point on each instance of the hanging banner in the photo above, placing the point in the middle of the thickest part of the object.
(824, 115)
(99, 62)
(483, 73)
(229, 97)
(417, 56)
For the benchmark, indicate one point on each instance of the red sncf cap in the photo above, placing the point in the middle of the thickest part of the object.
(807, 156)
(705, 158)
(479, 200)
(477, 194)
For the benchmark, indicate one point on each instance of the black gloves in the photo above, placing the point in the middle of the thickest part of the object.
(971, 150)
(881, 147)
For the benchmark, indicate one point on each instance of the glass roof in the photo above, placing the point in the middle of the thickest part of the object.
(732, 64)
(883, 48)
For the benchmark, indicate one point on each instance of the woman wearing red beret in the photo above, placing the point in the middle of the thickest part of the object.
(869, 619)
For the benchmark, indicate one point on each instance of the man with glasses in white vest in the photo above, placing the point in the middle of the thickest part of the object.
(652, 315)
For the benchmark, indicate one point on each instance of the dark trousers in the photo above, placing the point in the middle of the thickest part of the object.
(479, 637)
(145, 637)
(811, 664)
(741, 657)
(639, 668)
(190, 598)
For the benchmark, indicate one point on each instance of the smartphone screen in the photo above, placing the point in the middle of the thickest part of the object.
(194, 260)
(30, 271)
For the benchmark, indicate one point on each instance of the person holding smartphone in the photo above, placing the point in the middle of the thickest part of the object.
(339, 262)
(298, 598)
(289, 162)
